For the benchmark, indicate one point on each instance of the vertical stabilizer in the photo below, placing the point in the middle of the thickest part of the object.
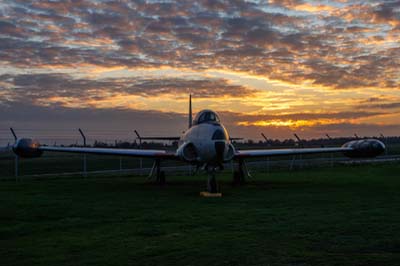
(190, 111)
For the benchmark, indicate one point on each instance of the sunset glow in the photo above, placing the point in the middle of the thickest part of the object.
(266, 66)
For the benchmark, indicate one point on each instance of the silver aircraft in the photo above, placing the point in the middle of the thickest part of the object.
(207, 145)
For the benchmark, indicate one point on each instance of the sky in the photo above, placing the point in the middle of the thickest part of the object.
(277, 66)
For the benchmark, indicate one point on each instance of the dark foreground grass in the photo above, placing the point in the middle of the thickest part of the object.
(339, 216)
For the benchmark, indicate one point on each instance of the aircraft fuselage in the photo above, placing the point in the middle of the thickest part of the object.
(206, 142)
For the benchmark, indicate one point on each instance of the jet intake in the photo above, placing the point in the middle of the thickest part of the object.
(27, 148)
(229, 153)
(188, 152)
(365, 148)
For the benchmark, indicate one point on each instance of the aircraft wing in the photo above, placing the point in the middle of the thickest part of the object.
(281, 152)
(162, 154)
(28, 148)
(364, 148)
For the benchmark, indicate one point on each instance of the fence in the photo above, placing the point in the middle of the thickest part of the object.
(62, 164)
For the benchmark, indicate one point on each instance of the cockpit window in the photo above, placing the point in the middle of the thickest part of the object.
(219, 135)
(202, 118)
(212, 117)
(206, 117)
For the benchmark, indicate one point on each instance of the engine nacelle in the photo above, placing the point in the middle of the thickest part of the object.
(230, 153)
(188, 152)
(365, 148)
(27, 148)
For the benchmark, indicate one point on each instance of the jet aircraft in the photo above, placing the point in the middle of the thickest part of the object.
(206, 144)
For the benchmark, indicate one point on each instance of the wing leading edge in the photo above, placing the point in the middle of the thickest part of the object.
(364, 148)
(282, 152)
(28, 148)
(162, 154)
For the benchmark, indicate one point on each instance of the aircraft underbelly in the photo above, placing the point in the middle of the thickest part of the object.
(204, 149)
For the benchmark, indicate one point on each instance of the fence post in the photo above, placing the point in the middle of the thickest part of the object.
(16, 172)
(292, 163)
(140, 147)
(84, 155)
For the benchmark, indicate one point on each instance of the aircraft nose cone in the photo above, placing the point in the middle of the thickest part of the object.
(219, 150)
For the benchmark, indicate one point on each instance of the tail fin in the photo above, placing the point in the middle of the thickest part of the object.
(190, 111)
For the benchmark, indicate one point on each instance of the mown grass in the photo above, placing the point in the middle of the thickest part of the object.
(53, 163)
(336, 216)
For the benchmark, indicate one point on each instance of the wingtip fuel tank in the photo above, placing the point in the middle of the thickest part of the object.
(364, 148)
(27, 148)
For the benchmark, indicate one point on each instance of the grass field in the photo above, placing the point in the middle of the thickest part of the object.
(339, 216)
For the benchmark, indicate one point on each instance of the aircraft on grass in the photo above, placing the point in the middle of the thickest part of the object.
(207, 145)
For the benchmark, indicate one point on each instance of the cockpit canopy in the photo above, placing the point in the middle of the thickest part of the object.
(206, 116)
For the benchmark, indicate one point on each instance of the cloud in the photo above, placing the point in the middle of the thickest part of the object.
(379, 102)
(295, 120)
(332, 50)
(325, 49)
(53, 88)
(387, 12)
(384, 105)
(306, 125)
(49, 124)
(56, 122)
(306, 116)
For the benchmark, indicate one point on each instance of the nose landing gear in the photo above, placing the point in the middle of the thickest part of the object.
(157, 173)
(212, 185)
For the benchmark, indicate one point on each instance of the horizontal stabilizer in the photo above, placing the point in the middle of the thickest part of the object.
(154, 138)
(160, 138)
(231, 139)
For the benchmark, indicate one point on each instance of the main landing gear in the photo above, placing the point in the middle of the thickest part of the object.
(241, 173)
(157, 173)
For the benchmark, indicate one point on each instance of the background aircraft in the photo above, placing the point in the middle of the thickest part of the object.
(207, 145)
